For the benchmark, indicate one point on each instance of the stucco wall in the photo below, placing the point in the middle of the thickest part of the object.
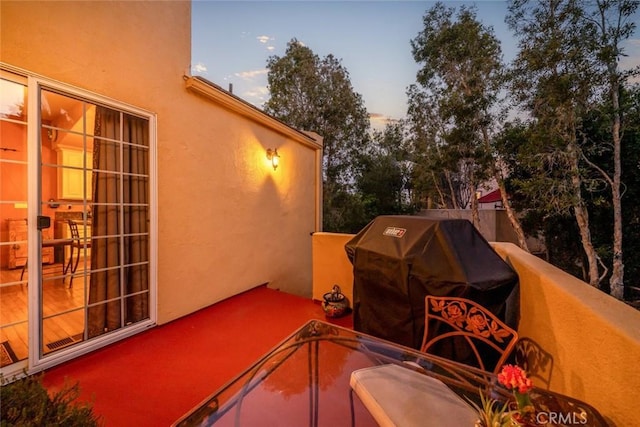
(331, 266)
(227, 221)
(594, 339)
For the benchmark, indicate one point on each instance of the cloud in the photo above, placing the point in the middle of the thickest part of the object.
(199, 68)
(256, 95)
(381, 118)
(248, 75)
(271, 48)
(379, 121)
(256, 92)
(264, 39)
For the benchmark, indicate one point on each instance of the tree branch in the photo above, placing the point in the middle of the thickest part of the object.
(604, 174)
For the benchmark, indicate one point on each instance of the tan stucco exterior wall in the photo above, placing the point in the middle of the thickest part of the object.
(593, 338)
(227, 221)
(331, 266)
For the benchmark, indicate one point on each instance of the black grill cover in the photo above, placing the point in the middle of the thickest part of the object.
(399, 260)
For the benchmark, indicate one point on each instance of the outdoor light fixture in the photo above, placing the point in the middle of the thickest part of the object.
(274, 157)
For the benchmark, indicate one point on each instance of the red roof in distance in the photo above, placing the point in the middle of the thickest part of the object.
(491, 197)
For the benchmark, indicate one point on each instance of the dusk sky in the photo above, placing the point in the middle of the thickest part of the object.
(232, 40)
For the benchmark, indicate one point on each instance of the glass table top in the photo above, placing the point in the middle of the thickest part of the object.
(307, 380)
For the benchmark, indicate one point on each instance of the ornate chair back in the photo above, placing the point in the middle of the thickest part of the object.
(467, 332)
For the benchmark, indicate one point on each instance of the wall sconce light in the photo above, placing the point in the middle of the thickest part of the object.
(274, 157)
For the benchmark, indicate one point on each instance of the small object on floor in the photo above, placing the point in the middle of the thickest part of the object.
(335, 303)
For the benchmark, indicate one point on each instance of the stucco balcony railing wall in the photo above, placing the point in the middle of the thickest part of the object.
(593, 338)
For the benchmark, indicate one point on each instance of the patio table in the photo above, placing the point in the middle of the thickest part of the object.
(326, 375)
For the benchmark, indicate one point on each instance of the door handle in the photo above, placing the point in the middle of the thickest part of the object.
(43, 222)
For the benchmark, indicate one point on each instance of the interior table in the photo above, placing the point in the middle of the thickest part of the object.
(51, 243)
(326, 375)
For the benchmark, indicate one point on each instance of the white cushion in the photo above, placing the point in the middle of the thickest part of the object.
(396, 396)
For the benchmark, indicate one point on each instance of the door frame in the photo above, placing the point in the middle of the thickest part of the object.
(36, 361)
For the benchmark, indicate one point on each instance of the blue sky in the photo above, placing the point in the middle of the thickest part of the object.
(231, 41)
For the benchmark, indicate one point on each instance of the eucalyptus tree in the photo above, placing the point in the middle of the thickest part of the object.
(315, 94)
(462, 70)
(552, 76)
(434, 172)
(566, 69)
(612, 24)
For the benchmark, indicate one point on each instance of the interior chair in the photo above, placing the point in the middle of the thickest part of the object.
(26, 263)
(467, 332)
(77, 245)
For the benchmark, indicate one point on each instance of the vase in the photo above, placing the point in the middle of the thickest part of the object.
(528, 420)
(335, 303)
(526, 417)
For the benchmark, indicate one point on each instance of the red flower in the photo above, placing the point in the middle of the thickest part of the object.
(514, 378)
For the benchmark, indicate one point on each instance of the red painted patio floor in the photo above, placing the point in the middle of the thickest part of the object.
(155, 377)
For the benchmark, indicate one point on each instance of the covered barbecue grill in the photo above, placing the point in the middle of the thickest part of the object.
(399, 260)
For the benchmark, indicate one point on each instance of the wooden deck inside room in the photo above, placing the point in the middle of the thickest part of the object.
(62, 309)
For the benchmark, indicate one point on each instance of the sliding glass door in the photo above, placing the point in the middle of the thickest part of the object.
(83, 210)
(14, 147)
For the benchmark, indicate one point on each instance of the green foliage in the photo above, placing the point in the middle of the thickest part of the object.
(566, 77)
(26, 403)
(315, 94)
(553, 159)
(597, 128)
(536, 202)
(382, 177)
(452, 106)
(492, 413)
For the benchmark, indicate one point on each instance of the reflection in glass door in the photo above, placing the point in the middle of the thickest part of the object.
(66, 150)
(14, 341)
(86, 169)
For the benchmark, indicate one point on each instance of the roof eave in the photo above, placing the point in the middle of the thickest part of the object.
(236, 104)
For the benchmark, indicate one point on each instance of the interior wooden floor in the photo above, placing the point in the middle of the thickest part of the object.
(155, 377)
(62, 308)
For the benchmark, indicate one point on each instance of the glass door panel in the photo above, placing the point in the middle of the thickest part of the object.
(85, 169)
(66, 130)
(14, 342)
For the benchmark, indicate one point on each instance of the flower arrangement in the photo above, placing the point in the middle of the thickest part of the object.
(493, 414)
(515, 379)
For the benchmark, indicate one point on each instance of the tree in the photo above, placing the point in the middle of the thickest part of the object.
(383, 174)
(315, 94)
(462, 71)
(611, 22)
(552, 81)
(434, 171)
